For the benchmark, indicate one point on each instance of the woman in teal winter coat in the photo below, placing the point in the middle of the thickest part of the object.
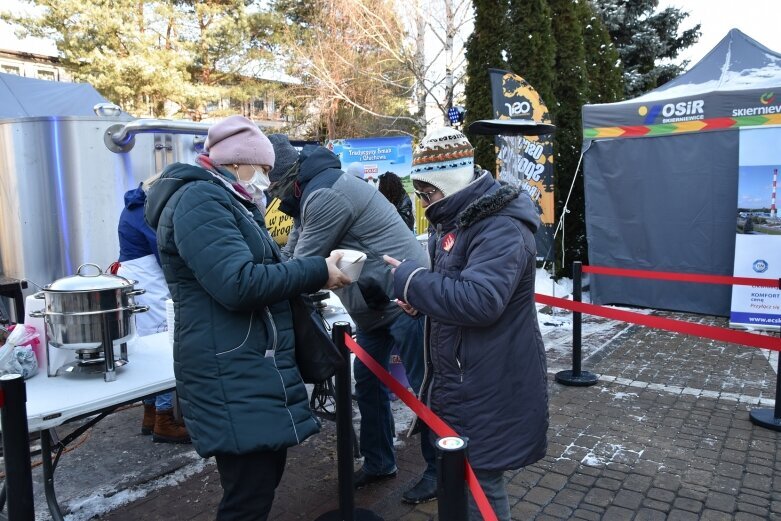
(242, 396)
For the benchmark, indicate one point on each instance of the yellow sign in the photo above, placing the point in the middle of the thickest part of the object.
(279, 224)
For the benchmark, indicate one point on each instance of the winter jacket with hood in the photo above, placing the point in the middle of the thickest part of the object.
(140, 261)
(136, 238)
(485, 360)
(234, 363)
(339, 211)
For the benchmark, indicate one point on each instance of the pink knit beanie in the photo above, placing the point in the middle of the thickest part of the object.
(238, 141)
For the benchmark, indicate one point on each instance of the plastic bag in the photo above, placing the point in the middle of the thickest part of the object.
(23, 335)
(17, 355)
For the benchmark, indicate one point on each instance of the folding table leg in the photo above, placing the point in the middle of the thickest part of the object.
(48, 476)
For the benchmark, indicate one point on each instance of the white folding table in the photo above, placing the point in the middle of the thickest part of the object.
(53, 401)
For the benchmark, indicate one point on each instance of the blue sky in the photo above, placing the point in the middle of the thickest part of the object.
(755, 186)
(760, 153)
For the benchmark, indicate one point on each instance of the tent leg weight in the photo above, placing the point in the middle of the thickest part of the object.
(581, 379)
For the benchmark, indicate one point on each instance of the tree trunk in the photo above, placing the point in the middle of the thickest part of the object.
(420, 66)
(449, 34)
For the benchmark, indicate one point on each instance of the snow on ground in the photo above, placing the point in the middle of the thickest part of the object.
(105, 499)
(545, 285)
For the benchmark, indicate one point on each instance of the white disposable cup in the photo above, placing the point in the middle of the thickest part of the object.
(351, 263)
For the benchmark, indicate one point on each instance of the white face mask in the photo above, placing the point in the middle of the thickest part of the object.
(256, 186)
(259, 182)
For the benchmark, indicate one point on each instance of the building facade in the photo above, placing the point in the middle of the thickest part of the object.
(31, 65)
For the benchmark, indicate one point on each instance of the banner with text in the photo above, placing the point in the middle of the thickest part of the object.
(375, 155)
(758, 238)
(526, 161)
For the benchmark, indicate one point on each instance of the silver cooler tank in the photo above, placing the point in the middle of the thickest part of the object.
(62, 190)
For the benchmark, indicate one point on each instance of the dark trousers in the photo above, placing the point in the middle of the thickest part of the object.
(248, 484)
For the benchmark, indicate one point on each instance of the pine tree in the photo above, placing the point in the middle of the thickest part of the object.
(643, 38)
(603, 66)
(531, 50)
(149, 56)
(484, 51)
(571, 91)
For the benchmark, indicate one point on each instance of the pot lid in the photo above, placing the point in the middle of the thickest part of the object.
(84, 282)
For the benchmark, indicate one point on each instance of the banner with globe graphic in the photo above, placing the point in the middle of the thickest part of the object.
(758, 238)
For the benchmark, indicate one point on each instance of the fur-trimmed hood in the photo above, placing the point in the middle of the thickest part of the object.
(483, 198)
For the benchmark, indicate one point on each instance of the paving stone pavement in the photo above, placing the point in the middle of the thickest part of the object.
(665, 434)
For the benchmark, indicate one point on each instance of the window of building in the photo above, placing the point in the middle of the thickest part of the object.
(11, 69)
(46, 75)
(258, 105)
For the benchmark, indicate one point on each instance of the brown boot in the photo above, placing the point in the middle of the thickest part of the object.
(168, 430)
(148, 423)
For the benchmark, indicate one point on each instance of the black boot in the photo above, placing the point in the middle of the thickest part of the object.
(424, 490)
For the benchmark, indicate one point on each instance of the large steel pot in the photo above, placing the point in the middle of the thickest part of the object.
(89, 312)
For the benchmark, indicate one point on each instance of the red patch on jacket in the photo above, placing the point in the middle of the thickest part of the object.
(448, 241)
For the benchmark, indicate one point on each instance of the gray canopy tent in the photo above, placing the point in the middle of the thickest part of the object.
(27, 97)
(661, 171)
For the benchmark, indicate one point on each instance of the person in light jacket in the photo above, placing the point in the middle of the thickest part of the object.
(486, 367)
(139, 261)
(241, 393)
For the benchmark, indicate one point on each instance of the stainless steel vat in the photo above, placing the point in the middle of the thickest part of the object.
(62, 190)
(89, 314)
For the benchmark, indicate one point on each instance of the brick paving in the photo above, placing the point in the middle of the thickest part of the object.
(664, 435)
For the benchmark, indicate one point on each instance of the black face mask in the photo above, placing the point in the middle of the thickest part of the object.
(287, 190)
(290, 205)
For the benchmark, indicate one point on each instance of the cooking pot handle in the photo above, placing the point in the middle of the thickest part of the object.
(37, 314)
(39, 295)
(138, 309)
(134, 292)
(100, 270)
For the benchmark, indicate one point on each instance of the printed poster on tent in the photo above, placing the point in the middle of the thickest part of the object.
(758, 238)
(525, 161)
(375, 155)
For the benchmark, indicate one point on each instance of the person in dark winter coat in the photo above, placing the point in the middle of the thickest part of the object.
(486, 368)
(241, 393)
(390, 186)
(139, 261)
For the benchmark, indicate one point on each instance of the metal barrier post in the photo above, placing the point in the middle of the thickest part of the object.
(770, 418)
(451, 479)
(16, 448)
(576, 377)
(344, 438)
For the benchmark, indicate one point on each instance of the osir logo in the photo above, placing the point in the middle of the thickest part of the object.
(671, 112)
(767, 98)
(760, 266)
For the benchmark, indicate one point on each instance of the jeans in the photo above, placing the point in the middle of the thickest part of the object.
(162, 402)
(376, 438)
(492, 482)
(248, 484)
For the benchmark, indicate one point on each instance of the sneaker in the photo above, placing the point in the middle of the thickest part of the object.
(423, 491)
(361, 478)
(148, 423)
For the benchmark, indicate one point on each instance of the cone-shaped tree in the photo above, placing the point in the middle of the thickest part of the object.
(571, 91)
(484, 50)
(531, 49)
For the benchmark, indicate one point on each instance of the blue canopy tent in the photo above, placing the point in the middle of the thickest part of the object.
(27, 97)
